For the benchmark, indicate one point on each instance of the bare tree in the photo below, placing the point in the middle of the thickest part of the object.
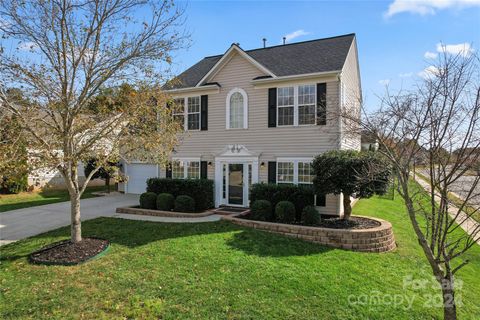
(438, 122)
(67, 51)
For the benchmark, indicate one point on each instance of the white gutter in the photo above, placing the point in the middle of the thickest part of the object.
(210, 87)
(296, 77)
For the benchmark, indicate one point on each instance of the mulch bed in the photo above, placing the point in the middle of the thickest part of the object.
(69, 253)
(353, 223)
(334, 223)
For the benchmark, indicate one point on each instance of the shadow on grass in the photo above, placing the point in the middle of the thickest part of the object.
(266, 244)
(133, 233)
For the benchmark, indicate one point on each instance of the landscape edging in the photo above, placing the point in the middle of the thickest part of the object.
(161, 213)
(377, 239)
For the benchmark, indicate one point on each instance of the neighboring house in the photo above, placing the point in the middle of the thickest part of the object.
(261, 115)
(52, 178)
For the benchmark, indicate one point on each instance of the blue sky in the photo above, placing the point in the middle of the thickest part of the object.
(393, 36)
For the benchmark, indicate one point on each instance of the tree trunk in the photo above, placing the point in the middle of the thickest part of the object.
(347, 207)
(76, 225)
(448, 293)
(107, 183)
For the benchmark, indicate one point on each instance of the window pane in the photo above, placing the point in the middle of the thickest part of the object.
(177, 170)
(285, 116)
(179, 118)
(306, 114)
(285, 96)
(193, 170)
(179, 106)
(285, 172)
(236, 110)
(305, 172)
(193, 104)
(306, 94)
(194, 121)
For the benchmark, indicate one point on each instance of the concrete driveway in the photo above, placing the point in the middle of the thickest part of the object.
(23, 223)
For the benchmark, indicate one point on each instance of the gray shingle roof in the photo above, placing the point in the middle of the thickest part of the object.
(313, 56)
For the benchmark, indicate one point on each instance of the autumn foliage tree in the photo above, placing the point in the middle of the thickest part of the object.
(68, 51)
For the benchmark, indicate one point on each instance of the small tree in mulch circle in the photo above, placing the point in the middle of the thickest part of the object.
(350, 173)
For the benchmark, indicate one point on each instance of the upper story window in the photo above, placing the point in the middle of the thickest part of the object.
(193, 113)
(237, 109)
(188, 117)
(307, 104)
(285, 106)
(297, 105)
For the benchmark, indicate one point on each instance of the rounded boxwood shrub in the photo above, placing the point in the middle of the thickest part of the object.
(165, 201)
(148, 200)
(184, 204)
(285, 211)
(310, 216)
(261, 210)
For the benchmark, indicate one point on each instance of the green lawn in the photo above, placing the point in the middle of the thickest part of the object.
(222, 271)
(38, 198)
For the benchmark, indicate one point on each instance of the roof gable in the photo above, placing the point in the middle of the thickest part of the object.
(234, 49)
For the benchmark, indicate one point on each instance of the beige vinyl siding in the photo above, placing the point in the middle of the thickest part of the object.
(352, 98)
(270, 143)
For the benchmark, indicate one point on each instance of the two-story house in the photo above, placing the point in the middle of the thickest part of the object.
(261, 115)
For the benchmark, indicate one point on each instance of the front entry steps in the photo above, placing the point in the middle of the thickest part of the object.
(226, 210)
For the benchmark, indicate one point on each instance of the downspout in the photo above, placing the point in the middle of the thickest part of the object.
(340, 107)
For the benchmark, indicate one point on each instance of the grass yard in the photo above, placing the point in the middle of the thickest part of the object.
(222, 271)
(38, 198)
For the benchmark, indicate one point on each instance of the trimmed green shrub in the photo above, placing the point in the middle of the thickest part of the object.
(261, 210)
(148, 200)
(300, 195)
(184, 203)
(10, 185)
(310, 216)
(165, 201)
(201, 190)
(285, 211)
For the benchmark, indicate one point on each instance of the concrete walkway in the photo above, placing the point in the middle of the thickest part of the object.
(468, 224)
(27, 222)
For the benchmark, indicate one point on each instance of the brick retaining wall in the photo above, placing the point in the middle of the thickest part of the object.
(160, 213)
(377, 239)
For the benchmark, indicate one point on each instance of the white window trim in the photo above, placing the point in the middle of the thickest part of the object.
(185, 167)
(245, 108)
(295, 106)
(295, 168)
(185, 113)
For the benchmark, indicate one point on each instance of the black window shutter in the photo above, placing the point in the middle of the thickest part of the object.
(204, 112)
(272, 172)
(321, 200)
(203, 169)
(321, 103)
(272, 107)
(168, 171)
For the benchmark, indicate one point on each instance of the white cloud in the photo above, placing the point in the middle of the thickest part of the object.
(384, 82)
(463, 49)
(428, 72)
(295, 34)
(27, 46)
(430, 55)
(406, 75)
(425, 7)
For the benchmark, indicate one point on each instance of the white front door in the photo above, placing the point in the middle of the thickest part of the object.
(233, 180)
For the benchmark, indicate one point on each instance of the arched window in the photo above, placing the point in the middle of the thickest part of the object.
(237, 109)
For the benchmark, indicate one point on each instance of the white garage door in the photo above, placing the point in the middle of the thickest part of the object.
(137, 176)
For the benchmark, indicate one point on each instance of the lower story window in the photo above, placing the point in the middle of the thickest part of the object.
(298, 171)
(285, 172)
(185, 169)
